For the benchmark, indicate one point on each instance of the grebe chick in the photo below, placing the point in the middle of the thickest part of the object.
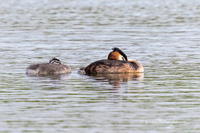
(117, 62)
(55, 61)
(53, 67)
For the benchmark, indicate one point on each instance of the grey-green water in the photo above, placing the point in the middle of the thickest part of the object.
(163, 35)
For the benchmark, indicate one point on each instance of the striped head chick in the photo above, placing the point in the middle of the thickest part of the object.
(55, 61)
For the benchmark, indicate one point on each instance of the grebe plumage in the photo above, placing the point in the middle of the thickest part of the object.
(55, 61)
(53, 67)
(117, 62)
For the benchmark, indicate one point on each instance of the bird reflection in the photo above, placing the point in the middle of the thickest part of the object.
(48, 82)
(50, 77)
(116, 79)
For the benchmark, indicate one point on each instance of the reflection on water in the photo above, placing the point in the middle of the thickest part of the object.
(50, 77)
(162, 35)
(116, 79)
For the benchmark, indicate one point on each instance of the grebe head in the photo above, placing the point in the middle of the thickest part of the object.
(55, 61)
(117, 54)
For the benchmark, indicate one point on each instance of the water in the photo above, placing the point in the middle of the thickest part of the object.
(162, 35)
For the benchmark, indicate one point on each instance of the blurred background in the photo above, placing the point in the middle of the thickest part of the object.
(162, 35)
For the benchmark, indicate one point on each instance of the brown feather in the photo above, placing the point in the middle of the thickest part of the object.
(111, 66)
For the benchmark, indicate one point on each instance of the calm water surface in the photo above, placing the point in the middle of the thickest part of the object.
(163, 35)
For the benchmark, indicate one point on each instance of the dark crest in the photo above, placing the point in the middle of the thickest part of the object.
(55, 61)
(121, 52)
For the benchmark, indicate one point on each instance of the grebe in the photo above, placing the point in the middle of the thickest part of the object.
(53, 67)
(117, 62)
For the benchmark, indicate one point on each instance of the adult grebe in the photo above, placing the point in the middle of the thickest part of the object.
(53, 67)
(117, 62)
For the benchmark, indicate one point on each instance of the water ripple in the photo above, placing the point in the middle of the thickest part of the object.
(162, 35)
